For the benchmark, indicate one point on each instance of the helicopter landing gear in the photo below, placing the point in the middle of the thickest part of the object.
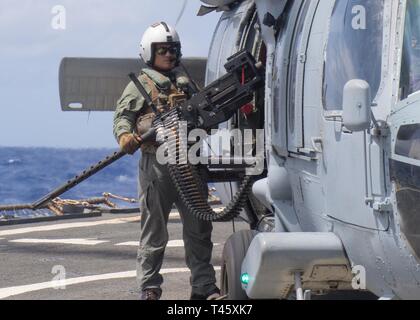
(234, 253)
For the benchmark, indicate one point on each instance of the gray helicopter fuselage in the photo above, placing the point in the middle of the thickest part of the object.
(360, 185)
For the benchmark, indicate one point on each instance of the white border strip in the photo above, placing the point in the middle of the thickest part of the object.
(14, 291)
(72, 225)
(84, 242)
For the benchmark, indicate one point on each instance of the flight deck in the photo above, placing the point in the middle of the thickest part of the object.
(92, 258)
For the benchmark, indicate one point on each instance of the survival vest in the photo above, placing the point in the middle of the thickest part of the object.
(165, 95)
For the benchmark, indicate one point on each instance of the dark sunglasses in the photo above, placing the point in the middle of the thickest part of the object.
(163, 50)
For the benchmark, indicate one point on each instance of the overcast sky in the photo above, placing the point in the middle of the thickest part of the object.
(31, 51)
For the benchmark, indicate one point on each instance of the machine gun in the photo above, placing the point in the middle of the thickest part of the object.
(215, 104)
(219, 101)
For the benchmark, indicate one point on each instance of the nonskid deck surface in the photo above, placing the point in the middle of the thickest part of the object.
(91, 258)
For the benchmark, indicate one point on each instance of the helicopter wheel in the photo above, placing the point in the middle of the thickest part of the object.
(234, 253)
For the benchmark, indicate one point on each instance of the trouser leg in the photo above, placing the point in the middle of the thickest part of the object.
(198, 251)
(155, 205)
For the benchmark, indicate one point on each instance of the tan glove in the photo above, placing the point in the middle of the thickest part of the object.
(129, 142)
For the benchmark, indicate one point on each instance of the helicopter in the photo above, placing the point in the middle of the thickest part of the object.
(336, 209)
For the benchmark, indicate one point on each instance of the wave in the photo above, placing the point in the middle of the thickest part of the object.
(13, 161)
(28, 174)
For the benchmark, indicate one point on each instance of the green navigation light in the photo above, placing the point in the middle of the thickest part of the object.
(245, 278)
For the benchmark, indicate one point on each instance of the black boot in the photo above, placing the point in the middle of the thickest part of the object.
(151, 294)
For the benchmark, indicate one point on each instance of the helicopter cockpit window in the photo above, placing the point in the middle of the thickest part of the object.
(406, 176)
(407, 186)
(410, 65)
(354, 48)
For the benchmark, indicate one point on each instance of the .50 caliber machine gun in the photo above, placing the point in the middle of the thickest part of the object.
(213, 105)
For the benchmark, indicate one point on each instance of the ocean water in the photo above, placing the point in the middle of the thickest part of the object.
(27, 174)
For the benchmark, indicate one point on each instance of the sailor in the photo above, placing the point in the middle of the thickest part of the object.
(161, 51)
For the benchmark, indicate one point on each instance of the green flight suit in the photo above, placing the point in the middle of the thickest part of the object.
(157, 196)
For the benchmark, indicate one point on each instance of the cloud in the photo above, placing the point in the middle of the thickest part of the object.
(96, 26)
(31, 51)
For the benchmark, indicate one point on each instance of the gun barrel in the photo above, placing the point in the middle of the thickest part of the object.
(78, 179)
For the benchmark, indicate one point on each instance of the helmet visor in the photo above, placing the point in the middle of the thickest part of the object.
(162, 50)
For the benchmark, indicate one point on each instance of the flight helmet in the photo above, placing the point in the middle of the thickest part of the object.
(158, 33)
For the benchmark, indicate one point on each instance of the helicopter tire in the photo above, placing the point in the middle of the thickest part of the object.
(234, 253)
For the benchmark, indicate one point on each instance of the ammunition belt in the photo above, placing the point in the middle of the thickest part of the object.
(186, 177)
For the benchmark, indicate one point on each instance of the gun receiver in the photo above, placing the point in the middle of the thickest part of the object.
(219, 101)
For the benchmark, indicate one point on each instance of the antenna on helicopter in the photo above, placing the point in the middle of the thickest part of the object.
(181, 13)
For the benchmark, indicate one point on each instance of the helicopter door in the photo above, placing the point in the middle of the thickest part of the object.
(296, 76)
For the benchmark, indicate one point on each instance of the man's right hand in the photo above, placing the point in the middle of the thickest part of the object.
(129, 143)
